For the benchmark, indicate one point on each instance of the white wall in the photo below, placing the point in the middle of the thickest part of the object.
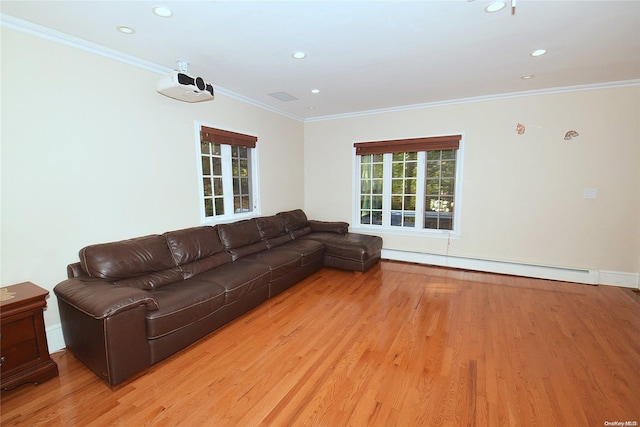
(91, 153)
(522, 199)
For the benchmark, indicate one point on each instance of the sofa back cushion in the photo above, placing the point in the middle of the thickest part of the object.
(144, 262)
(272, 230)
(241, 238)
(196, 249)
(295, 222)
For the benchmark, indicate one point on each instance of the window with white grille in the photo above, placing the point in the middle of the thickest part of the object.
(409, 184)
(228, 173)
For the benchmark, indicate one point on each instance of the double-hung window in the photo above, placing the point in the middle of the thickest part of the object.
(228, 173)
(409, 184)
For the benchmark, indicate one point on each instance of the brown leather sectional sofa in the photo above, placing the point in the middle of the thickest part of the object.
(130, 304)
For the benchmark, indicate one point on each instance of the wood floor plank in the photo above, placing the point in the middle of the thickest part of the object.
(399, 345)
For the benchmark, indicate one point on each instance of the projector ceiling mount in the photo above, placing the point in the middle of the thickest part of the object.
(180, 85)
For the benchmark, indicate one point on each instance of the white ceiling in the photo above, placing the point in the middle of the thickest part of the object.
(362, 55)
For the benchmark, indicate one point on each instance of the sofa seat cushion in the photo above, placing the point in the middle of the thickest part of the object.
(238, 278)
(351, 246)
(311, 250)
(181, 304)
(280, 261)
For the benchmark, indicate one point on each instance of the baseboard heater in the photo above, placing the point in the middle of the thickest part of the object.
(577, 275)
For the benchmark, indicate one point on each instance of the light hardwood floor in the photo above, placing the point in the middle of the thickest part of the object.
(401, 344)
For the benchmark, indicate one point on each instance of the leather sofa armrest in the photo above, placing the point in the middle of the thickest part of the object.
(100, 299)
(329, 226)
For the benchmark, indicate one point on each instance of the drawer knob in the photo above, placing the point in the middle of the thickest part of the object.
(2, 359)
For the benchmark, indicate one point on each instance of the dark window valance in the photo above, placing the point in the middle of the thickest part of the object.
(219, 136)
(450, 142)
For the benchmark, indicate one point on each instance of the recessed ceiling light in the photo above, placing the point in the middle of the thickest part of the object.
(315, 90)
(162, 11)
(538, 52)
(124, 29)
(298, 55)
(527, 76)
(495, 6)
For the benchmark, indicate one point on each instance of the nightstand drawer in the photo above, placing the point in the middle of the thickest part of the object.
(19, 344)
(15, 332)
(18, 357)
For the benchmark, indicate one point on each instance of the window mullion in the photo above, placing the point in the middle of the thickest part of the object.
(250, 181)
(357, 207)
(227, 178)
(421, 189)
(386, 189)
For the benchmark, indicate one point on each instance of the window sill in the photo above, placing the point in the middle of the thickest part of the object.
(225, 219)
(406, 231)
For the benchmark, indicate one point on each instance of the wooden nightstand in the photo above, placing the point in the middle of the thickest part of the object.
(23, 343)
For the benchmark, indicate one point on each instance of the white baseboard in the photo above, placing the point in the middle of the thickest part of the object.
(55, 339)
(590, 277)
(619, 278)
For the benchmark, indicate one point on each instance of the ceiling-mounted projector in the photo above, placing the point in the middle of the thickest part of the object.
(180, 85)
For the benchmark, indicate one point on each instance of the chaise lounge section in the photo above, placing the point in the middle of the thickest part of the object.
(130, 304)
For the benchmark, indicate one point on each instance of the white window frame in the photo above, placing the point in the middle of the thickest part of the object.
(227, 181)
(386, 226)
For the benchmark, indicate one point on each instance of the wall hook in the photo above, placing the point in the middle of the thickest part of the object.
(570, 135)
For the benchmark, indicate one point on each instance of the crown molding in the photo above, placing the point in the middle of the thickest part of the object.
(78, 43)
(94, 48)
(595, 86)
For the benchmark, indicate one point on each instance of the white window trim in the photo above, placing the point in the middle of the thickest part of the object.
(386, 204)
(255, 182)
